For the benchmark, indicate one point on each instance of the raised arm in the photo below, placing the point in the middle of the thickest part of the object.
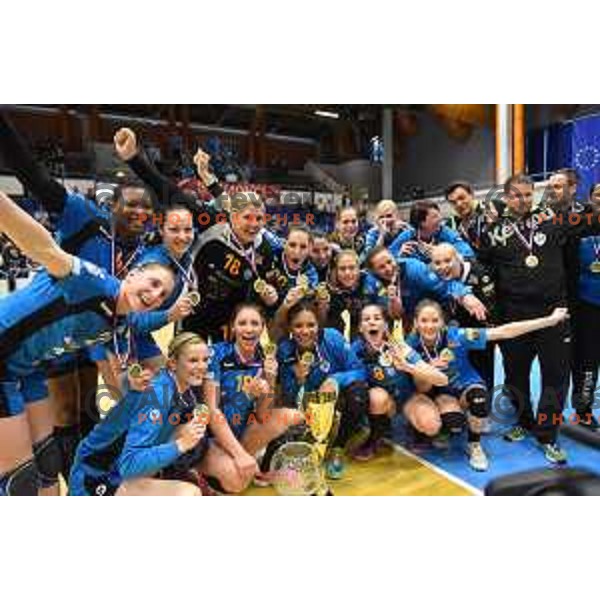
(18, 156)
(166, 190)
(518, 328)
(33, 239)
(128, 150)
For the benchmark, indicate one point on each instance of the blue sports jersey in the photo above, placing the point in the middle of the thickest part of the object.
(589, 281)
(84, 230)
(135, 439)
(455, 342)
(416, 283)
(231, 373)
(334, 359)
(398, 384)
(443, 235)
(372, 237)
(52, 317)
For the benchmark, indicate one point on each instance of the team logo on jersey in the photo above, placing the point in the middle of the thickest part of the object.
(325, 366)
(539, 238)
(472, 334)
(101, 490)
(378, 374)
(247, 274)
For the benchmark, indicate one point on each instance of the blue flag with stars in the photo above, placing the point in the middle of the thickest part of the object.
(586, 153)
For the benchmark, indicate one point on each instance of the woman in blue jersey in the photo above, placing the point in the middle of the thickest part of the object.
(108, 240)
(387, 229)
(240, 394)
(443, 408)
(316, 360)
(399, 284)
(177, 233)
(586, 321)
(153, 435)
(391, 367)
(70, 305)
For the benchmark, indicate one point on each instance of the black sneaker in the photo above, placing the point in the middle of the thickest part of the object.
(589, 421)
(515, 434)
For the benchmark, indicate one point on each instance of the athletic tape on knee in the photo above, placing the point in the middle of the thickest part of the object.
(453, 422)
(22, 481)
(48, 459)
(477, 401)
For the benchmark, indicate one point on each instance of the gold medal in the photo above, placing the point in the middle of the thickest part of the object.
(385, 360)
(194, 298)
(201, 412)
(135, 370)
(308, 358)
(532, 261)
(303, 284)
(260, 285)
(322, 292)
(269, 348)
(595, 267)
(447, 354)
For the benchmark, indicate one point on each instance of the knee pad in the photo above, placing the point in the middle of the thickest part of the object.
(477, 401)
(68, 439)
(453, 422)
(48, 459)
(22, 481)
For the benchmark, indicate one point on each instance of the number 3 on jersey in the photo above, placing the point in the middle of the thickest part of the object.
(232, 264)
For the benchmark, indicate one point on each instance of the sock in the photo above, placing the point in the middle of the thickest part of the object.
(473, 436)
(68, 439)
(380, 426)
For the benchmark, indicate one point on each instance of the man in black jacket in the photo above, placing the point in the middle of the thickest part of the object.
(525, 247)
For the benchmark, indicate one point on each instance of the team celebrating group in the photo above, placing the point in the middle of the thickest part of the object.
(398, 318)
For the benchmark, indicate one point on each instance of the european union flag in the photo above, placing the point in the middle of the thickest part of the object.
(586, 153)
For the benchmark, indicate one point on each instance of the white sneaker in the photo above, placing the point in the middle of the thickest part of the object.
(477, 457)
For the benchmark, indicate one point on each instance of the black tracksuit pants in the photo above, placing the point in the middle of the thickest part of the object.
(552, 346)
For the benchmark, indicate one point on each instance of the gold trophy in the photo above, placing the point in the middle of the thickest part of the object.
(268, 347)
(320, 417)
(299, 464)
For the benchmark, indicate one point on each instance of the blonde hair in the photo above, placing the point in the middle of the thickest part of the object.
(181, 341)
(384, 205)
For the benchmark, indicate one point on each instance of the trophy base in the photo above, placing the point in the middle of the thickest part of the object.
(327, 492)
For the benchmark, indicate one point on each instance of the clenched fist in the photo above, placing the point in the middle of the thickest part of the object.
(125, 144)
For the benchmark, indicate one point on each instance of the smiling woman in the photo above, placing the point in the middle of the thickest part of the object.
(70, 305)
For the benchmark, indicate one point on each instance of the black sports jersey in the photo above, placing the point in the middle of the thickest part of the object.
(225, 273)
(529, 287)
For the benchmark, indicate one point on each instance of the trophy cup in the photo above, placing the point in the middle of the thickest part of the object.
(298, 469)
(299, 464)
